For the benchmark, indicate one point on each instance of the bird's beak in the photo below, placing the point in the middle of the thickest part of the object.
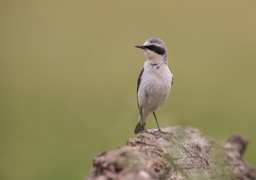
(140, 46)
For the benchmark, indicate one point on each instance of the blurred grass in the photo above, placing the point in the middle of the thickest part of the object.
(68, 74)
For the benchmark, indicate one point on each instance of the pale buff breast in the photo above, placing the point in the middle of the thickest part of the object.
(155, 87)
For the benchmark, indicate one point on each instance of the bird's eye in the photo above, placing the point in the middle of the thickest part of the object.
(156, 49)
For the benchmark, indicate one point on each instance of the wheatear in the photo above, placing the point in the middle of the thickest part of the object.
(154, 82)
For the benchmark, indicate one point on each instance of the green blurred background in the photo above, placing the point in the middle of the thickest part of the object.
(68, 72)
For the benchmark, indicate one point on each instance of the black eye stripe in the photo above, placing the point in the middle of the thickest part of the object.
(156, 49)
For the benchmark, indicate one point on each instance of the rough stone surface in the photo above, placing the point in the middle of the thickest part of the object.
(177, 153)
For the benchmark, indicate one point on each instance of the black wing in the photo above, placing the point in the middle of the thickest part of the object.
(138, 83)
(172, 76)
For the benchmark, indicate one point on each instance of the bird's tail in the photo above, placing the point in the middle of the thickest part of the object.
(138, 128)
(141, 125)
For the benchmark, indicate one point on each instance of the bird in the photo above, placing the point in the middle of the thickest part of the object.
(154, 82)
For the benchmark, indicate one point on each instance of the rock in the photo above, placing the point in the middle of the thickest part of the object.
(177, 153)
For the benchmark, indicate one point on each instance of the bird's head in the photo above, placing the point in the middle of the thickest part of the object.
(155, 50)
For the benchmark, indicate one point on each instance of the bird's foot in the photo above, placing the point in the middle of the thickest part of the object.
(160, 131)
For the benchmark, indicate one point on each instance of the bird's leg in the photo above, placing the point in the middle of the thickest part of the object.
(144, 127)
(159, 129)
(142, 119)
